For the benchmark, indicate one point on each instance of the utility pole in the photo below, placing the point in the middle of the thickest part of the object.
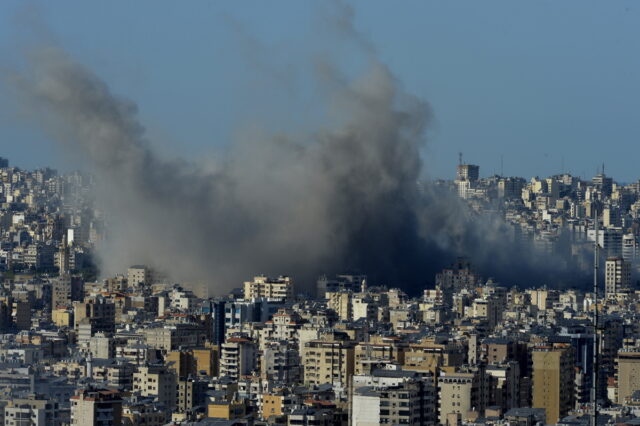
(594, 378)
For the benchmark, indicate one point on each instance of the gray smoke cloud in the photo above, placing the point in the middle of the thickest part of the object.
(344, 197)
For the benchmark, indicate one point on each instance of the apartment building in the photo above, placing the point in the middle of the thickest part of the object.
(93, 406)
(553, 379)
(269, 288)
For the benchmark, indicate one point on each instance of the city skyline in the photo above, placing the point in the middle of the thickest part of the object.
(298, 213)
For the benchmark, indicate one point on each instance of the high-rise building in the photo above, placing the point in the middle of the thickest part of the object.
(98, 312)
(631, 249)
(191, 392)
(328, 361)
(628, 372)
(65, 290)
(96, 407)
(468, 172)
(611, 217)
(181, 362)
(609, 239)
(603, 183)
(238, 357)
(156, 381)
(341, 303)
(263, 287)
(553, 188)
(511, 187)
(553, 379)
(217, 309)
(617, 276)
(63, 257)
(466, 179)
(505, 389)
(280, 362)
(455, 278)
(21, 313)
(463, 392)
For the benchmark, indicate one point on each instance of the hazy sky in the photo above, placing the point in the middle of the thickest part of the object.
(539, 83)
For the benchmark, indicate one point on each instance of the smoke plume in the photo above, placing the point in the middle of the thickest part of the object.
(340, 198)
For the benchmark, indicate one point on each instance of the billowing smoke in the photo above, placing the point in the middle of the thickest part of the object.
(342, 198)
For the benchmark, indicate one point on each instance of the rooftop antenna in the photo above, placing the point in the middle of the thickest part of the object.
(460, 158)
(594, 378)
(603, 168)
(501, 165)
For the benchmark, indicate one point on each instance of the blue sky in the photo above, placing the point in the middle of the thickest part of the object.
(539, 83)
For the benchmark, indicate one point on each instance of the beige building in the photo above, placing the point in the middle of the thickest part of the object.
(276, 403)
(90, 405)
(553, 380)
(462, 392)
(430, 355)
(190, 393)
(363, 306)
(181, 362)
(158, 382)
(487, 309)
(269, 288)
(171, 337)
(31, 411)
(138, 274)
(62, 317)
(610, 217)
(628, 366)
(228, 410)
(380, 350)
(543, 298)
(341, 303)
(328, 361)
(206, 361)
(193, 362)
